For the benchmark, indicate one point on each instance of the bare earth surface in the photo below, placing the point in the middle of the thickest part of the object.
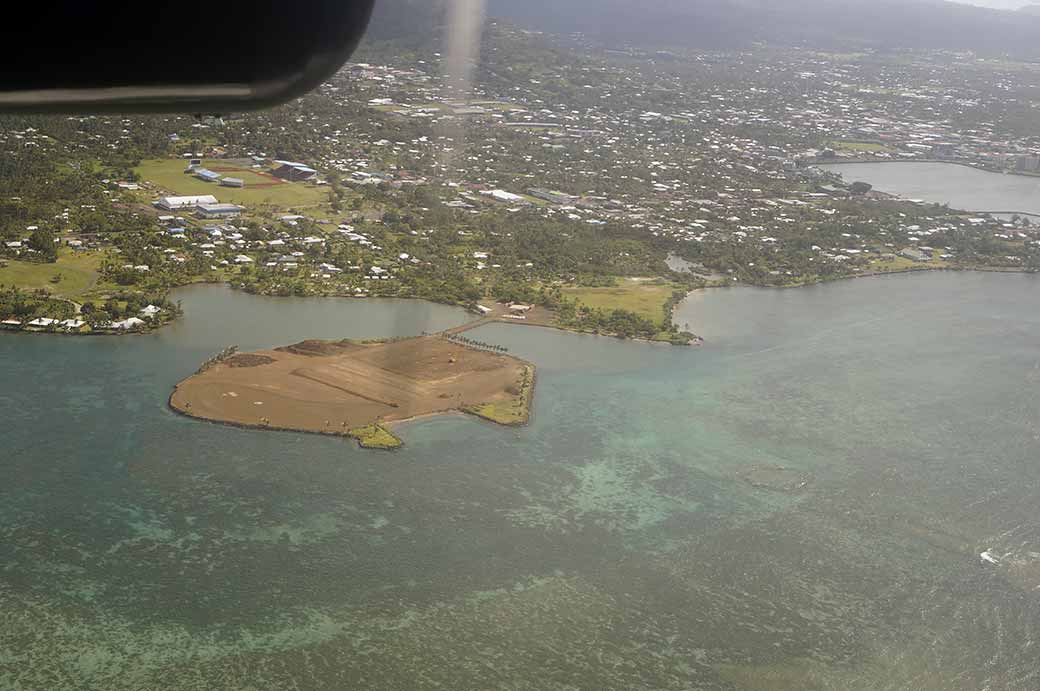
(334, 386)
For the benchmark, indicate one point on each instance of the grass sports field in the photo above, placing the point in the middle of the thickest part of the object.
(645, 298)
(860, 147)
(260, 189)
(78, 272)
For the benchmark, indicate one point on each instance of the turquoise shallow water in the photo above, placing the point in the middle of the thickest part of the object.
(613, 543)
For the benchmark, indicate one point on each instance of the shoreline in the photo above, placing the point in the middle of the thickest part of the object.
(271, 428)
(909, 270)
(694, 343)
(37, 330)
(697, 341)
(965, 164)
(465, 326)
(371, 429)
(872, 274)
(388, 424)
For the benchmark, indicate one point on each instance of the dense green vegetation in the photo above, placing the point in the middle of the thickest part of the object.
(375, 437)
(689, 154)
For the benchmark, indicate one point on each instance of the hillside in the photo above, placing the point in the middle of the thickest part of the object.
(400, 19)
(881, 24)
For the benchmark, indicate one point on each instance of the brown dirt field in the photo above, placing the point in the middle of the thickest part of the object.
(333, 386)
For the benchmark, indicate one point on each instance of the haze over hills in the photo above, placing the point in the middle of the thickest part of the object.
(883, 24)
(996, 4)
(397, 19)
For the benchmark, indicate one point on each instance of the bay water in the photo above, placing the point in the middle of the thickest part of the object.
(614, 543)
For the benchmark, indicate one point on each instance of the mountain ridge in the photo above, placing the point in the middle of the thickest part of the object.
(721, 24)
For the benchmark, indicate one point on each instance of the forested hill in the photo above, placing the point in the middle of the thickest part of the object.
(396, 20)
(403, 31)
(883, 24)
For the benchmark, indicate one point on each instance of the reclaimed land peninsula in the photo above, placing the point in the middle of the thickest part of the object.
(356, 388)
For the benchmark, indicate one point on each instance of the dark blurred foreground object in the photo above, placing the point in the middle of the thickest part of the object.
(86, 56)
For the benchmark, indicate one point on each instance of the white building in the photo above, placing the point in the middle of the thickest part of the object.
(174, 203)
(503, 196)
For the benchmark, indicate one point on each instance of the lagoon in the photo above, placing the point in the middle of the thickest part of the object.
(613, 543)
(962, 187)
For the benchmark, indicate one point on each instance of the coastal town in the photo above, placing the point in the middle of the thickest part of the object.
(562, 345)
(597, 186)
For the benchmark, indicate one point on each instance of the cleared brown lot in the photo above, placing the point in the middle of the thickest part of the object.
(333, 386)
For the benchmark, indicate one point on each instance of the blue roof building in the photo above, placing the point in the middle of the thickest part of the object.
(207, 175)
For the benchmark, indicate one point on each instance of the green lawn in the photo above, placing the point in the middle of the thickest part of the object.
(79, 271)
(169, 175)
(902, 263)
(860, 147)
(894, 264)
(534, 200)
(496, 105)
(375, 436)
(502, 412)
(645, 298)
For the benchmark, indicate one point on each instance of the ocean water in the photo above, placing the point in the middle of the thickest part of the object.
(614, 543)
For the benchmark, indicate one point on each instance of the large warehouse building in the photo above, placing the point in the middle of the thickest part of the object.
(288, 170)
(218, 210)
(175, 203)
